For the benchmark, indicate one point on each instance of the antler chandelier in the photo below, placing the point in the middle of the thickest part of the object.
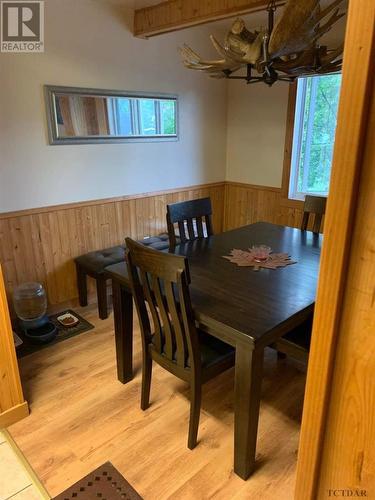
(284, 51)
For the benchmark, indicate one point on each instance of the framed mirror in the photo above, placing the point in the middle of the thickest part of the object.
(91, 116)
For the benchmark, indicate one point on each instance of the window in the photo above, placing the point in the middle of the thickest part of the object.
(314, 135)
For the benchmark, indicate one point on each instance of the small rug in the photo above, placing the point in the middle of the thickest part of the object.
(104, 483)
(64, 332)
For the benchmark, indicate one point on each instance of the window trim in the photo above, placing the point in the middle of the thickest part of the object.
(55, 140)
(287, 198)
(289, 136)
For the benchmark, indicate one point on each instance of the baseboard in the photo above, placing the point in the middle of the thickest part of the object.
(14, 414)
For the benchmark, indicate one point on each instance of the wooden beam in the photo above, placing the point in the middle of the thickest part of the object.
(173, 15)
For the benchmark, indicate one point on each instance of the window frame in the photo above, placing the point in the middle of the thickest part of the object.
(290, 194)
(50, 96)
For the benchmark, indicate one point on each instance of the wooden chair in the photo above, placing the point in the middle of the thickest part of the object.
(314, 205)
(160, 283)
(194, 219)
(297, 342)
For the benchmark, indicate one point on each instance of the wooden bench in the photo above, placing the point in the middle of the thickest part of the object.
(93, 264)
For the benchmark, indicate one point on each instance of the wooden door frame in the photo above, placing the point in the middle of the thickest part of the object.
(13, 407)
(353, 117)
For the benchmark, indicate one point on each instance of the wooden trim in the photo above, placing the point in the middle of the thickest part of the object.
(348, 456)
(12, 404)
(253, 186)
(290, 118)
(13, 415)
(357, 86)
(173, 15)
(92, 203)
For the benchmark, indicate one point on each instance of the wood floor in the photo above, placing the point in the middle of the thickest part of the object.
(81, 417)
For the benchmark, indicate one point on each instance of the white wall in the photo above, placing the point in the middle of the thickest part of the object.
(89, 44)
(229, 130)
(256, 124)
(256, 130)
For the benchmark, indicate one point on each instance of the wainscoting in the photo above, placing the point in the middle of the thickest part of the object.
(40, 244)
(245, 204)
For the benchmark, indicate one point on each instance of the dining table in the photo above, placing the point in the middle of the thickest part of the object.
(246, 308)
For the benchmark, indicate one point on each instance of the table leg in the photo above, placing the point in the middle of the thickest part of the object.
(248, 381)
(123, 318)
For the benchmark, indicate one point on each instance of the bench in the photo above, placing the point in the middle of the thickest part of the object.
(93, 264)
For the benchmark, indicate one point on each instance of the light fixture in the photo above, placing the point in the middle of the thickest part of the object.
(283, 51)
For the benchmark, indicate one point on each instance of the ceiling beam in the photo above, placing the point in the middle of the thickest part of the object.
(173, 15)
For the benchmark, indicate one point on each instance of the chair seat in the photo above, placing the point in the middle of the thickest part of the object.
(96, 262)
(213, 351)
(160, 242)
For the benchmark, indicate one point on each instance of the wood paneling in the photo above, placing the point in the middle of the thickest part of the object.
(245, 204)
(338, 427)
(12, 404)
(173, 15)
(41, 244)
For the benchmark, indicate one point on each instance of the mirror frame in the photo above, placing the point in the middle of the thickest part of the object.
(50, 92)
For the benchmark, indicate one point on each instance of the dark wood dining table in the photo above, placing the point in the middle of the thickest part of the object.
(247, 309)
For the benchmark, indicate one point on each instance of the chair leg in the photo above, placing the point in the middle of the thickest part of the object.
(101, 290)
(195, 410)
(81, 285)
(146, 381)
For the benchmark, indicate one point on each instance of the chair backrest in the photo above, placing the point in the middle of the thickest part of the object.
(191, 216)
(314, 205)
(161, 282)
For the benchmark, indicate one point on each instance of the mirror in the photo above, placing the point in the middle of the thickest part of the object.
(81, 116)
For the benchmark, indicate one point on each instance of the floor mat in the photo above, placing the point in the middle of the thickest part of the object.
(27, 347)
(105, 483)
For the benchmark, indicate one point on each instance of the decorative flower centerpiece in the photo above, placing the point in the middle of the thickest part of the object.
(259, 256)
